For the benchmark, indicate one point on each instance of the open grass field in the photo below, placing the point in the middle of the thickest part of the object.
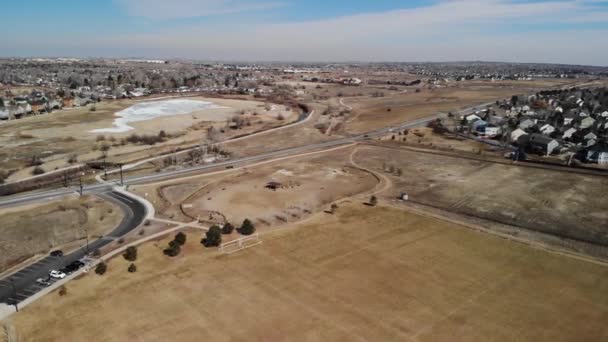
(56, 136)
(364, 274)
(403, 104)
(36, 229)
(558, 203)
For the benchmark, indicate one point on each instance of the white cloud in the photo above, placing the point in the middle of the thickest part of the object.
(447, 30)
(164, 9)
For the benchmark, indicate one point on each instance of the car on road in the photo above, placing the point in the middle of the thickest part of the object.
(57, 274)
(230, 167)
(43, 282)
(72, 267)
(57, 253)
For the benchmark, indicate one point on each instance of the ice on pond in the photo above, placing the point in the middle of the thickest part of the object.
(152, 110)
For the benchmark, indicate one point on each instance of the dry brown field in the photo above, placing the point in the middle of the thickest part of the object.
(363, 274)
(34, 230)
(308, 184)
(55, 136)
(559, 203)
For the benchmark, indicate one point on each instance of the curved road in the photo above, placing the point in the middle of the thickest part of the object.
(22, 284)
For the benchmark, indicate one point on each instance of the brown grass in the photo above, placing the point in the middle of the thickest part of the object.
(36, 229)
(374, 274)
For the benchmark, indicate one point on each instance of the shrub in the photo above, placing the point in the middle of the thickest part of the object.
(93, 108)
(213, 237)
(101, 268)
(72, 159)
(373, 201)
(147, 223)
(132, 268)
(63, 291)
(35, 161)
(173, 250)
(3, 176)
(247, 228)
(227, 228)
(100, 137)
(38, 171)
(130, 254)
(180, 238)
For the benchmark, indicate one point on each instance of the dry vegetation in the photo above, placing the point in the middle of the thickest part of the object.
(36, 229)
(308, 185)
(373, 274)
(54, 138)
(560, 203)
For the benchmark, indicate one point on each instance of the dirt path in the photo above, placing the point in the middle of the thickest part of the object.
(384, 182)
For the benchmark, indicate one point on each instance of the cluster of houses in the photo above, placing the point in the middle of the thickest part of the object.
(547, 126)
(40, 102)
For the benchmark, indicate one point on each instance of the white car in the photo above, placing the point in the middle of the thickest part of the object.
(56, 274)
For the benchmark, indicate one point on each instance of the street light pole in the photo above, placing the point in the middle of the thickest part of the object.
(16, 304)
(86, 231)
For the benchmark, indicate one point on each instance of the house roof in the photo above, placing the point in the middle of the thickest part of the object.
(540, 139)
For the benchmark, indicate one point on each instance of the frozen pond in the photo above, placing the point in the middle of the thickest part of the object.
(151, 110)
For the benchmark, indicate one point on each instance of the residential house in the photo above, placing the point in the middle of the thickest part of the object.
(472, 117)
(478, 126)
(516, 134)
(569, 118)
(568, 133)
(543, 144)
(604, 114)
(492, 131)
(590, 136)
(547, 129)
(597, 154)
(4, 113)
(526, 123)
(587, 122)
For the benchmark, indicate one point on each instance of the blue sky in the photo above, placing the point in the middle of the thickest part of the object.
(560, 31)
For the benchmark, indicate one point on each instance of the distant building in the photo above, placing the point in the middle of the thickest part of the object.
(568, 133)
(547, 129)
(492, 131)
(587, 122)
(542, 143)
(516, 134)
(526, 123)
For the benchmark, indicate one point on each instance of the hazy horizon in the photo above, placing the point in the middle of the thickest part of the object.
(510, 31)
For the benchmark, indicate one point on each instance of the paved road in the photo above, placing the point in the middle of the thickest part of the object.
(22, 283)
(99, 188)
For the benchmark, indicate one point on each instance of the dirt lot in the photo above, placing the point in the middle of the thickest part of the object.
(373, 274)
(562, 204)
(36, 229)
(55, 137)
(307, 185)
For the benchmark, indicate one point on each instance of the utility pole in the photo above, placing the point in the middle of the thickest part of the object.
(16, 304)
(86, 231)
(80, 186)
(105, 168)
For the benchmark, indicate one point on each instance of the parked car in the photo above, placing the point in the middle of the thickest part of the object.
(57, 253)
(57, 274)
(43, 282)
